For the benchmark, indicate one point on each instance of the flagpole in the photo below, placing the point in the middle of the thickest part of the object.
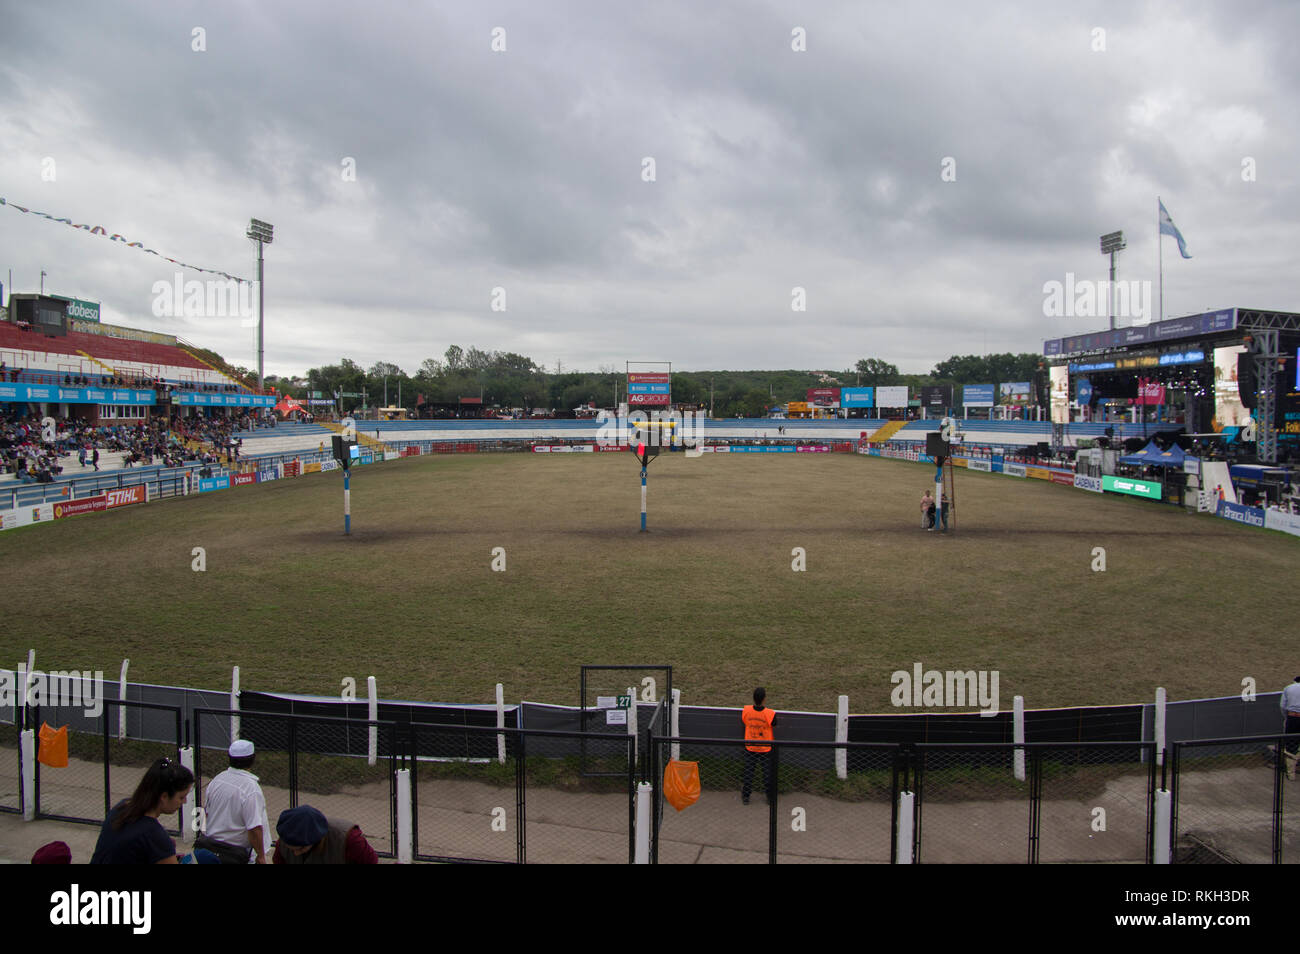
(1160, 255)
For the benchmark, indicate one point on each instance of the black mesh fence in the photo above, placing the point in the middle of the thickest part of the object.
(1095, 801)
(510, 795)
(11, 782)
(970, 808)
(309, 760)
(791, 804)
(1235, 801)
(102, 768)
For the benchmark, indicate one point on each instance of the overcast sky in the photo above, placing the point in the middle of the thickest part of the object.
(525, 169)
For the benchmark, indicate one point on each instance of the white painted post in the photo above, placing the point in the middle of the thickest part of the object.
(1160, 725)
(404, 830)
(27, 749)
(643, 808)
(372, 713)
(842, 735)
(631, 722)
(1018, 735)
(1163, 824)
(501, 724)
(674, 721)
(27, 677)
(121, 696)
(904, 843)
(234, 704)
(187, 808)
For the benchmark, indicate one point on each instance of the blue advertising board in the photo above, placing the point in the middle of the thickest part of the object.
(746, 449)
(61, 395)
(1083, 391)
(224, 400)
(977, 395)
(213, 483)
(1251, 516)
(649, 388)
(857, 397)
(1189, 327)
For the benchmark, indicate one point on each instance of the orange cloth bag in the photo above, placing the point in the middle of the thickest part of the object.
(54, 747)
(682, 784)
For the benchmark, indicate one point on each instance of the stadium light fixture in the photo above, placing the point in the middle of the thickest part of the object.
(261, 233)
(1111, 244)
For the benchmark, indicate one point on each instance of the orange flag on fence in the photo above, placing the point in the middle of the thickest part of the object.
(54, 747)
(682, 784)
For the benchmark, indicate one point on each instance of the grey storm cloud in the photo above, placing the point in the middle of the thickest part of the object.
(774, 168)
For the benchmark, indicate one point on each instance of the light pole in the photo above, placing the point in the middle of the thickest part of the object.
(259, 232)
(1111, 244)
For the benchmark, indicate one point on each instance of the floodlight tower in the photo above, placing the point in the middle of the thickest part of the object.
(1111, 244)
(259, 232)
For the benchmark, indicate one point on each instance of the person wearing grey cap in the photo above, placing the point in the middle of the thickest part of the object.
(1291, 710)
(235, 826)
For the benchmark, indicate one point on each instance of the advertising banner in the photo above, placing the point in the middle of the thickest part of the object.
(641, 377)
(936, 395)
(82, 310)
(1015, 470)
(976, 463)
(642, 399)
(213, 483)
(292, 468)
(1189, 327)
(239, 480)
(826, 397)
(893, 396)
(1127, 485)
(977, 395)
(857, 397)
(53, 393)
(1088, 483)
(604, 448)
(1058, 477)
(648, 388)
(1251, 516)
(325, 466)
(746, 449)
(1014, 392)
(1286, 522)
(124, 496)
(1150, 392)
(813, 448)
(74, 508)
(264, 475)
(223, 400)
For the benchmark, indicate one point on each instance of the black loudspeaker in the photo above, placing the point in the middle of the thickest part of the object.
(1247, 386)
(1044, 449)
(935, 445)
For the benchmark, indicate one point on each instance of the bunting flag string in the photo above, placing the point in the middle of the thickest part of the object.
(100, 230)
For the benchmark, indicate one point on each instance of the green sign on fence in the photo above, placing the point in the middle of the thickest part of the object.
(1127, 485)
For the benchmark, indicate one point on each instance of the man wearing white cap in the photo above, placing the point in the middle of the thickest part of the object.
(235, 811)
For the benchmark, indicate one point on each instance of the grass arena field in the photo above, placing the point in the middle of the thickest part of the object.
(1193, 603)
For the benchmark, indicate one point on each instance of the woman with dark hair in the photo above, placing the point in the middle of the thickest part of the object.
(132, 833)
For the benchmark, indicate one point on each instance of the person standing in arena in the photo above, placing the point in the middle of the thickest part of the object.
(758, 721)
(927, 511)
(1291, 710)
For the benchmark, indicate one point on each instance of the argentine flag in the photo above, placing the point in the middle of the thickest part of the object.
(1167, 227)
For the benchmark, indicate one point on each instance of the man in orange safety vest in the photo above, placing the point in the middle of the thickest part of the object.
(758, 721)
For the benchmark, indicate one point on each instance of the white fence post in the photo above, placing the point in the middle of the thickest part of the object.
(234, 705)
(1163, 823)
(404, 829)
(1018, 735)
(842, 735)
(675, 724)
(372, 713)
(187, 808)
(121, 697)
(1160, 725)
(643, 809)
(904, 842)
(27, 748)
(501, 724)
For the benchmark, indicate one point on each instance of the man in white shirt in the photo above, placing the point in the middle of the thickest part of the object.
(235, 808)
(1291, 710)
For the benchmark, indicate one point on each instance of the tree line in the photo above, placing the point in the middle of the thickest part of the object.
(505, 379)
